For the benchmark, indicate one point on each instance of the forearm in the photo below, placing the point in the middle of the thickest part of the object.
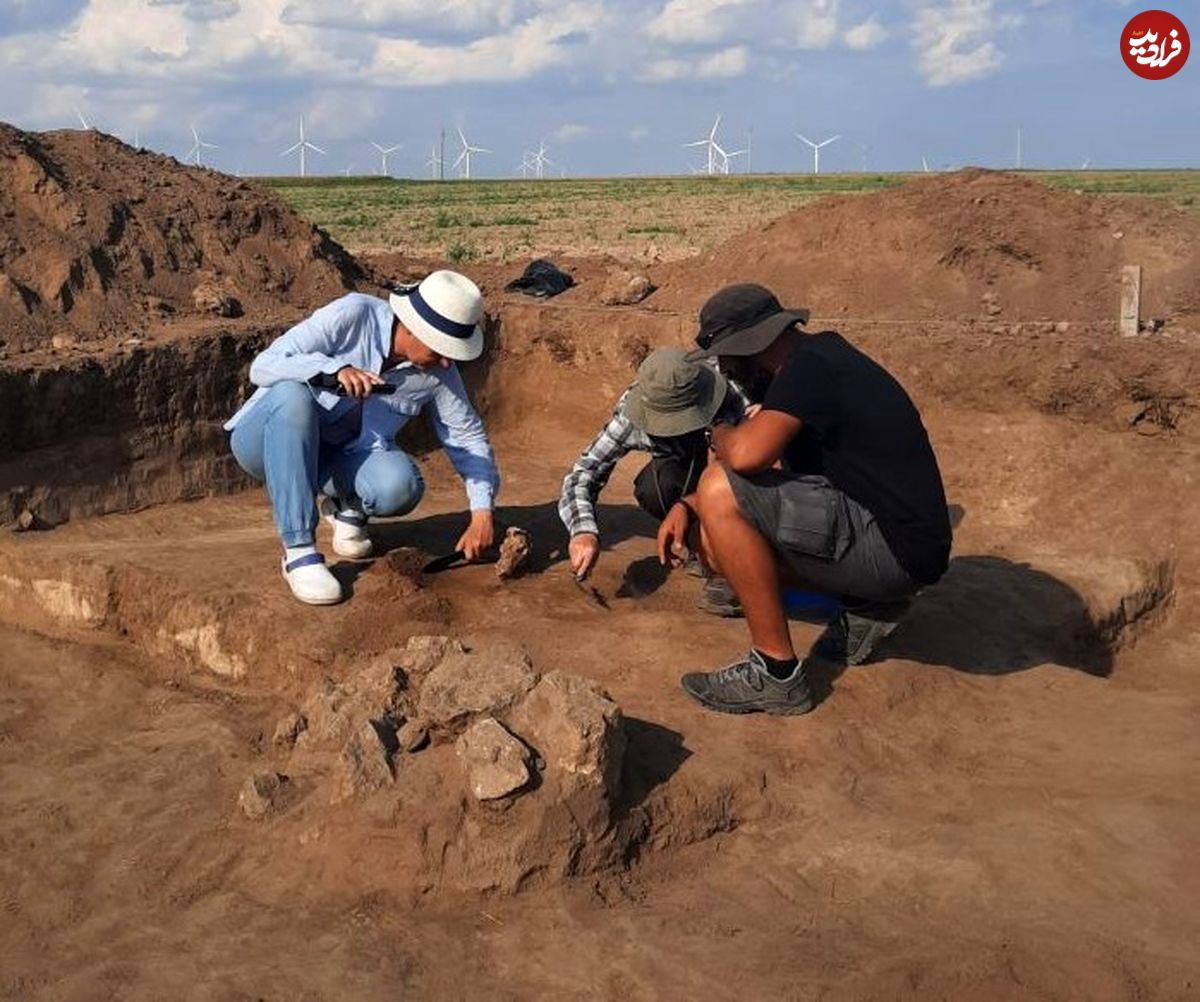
(577, 504)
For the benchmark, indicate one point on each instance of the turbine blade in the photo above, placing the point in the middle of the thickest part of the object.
(805, 139)
(317, 148)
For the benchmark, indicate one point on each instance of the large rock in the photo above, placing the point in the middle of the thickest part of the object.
(472, 683)
(496, 763)
(577, 729)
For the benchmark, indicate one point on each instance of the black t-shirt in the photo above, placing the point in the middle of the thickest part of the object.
(863, 433)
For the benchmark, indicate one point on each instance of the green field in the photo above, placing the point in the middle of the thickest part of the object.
(650, 218)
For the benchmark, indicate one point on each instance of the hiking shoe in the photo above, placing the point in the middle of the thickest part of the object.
(853, 635)
(747, 687)
(717, 599)
(694, 567)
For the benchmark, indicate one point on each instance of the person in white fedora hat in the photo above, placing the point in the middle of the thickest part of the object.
(334, 391)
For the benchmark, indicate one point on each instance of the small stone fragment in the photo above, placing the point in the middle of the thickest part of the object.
(288, 729)
(1062, 327)
(209, 297)
(262, 794)
(625, 288)
(514, 551)
(412, 736)
(27, 521)
(60, 342)
(363, 765)
(497, 764)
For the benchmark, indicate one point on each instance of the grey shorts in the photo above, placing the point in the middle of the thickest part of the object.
(828, 541)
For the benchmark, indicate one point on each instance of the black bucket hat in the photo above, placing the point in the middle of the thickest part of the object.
(742, 320)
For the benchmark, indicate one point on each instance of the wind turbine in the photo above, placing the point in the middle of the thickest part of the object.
(196, 153)
(302, 146)
(712, 147)
(924, 165)
(83, 121)
(1086, 164)
(816, 148)
(345, 171)
(1019, 148)
(526, 164)
(729, 156)
(539, 160)
(434, 162)
(465, 156)
(385, 152)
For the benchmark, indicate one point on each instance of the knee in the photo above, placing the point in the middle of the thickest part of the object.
(394, 488)
(292, 403)
(714, 495)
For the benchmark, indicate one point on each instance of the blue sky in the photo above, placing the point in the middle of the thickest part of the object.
(612, 86)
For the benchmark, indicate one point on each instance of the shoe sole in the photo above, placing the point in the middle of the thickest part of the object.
(311, 601)
(782, 711)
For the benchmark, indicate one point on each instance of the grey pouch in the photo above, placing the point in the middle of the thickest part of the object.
(812, 518)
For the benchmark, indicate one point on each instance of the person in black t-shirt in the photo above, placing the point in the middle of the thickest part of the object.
(830, 484)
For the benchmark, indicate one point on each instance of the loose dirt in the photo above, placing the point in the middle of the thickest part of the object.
(973, 244)
(999, 808)
(101, 241)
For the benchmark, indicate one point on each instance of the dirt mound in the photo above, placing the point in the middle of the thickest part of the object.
(98, 239)
(971, 244)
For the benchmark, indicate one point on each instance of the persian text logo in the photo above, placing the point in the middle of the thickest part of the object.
(1155, 44)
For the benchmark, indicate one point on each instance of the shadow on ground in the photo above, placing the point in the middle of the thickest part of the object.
(437, 534)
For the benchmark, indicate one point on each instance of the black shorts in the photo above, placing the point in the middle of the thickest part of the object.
(829, 542)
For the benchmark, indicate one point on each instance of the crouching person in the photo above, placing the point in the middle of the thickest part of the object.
(664, 413)
(832, 485)
(334, 391)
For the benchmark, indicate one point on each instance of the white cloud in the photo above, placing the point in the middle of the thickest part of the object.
(542, 42)
(704, 22)
(813, 25)
(730, 62)
(186, 40)
(955, 40)
(798, 24)
(638, 133)
(865, 36)
(570, 131)
(471, 16)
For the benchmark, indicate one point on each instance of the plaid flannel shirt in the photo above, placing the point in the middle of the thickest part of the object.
(582, 486)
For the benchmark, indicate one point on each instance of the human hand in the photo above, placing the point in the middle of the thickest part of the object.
(357, 382)
(480, 534)
(672, 535)
(752, 410)
(584, 551)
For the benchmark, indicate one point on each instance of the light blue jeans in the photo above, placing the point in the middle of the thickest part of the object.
(279, 442)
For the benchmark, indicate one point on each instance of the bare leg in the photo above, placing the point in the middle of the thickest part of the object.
(732, 543)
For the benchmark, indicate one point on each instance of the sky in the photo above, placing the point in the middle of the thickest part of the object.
(613, 87)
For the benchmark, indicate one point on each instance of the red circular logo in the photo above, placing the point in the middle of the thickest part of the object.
(1155, 45)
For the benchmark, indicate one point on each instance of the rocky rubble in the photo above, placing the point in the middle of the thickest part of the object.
(517, 771)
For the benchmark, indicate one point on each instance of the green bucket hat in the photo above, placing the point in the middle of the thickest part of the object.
(673, 396)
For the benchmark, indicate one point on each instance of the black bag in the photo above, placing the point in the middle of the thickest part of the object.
(541, 278)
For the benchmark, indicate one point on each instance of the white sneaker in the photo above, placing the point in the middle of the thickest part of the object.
(350, 537)
(310, 580)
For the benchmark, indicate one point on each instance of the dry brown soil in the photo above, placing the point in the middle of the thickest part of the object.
(1002, 807)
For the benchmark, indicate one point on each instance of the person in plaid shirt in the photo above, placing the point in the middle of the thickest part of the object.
(666, 413)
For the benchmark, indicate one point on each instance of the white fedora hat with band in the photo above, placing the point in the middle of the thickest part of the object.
(443, 312)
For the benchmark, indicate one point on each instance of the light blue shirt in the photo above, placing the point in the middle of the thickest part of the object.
(357, 330)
